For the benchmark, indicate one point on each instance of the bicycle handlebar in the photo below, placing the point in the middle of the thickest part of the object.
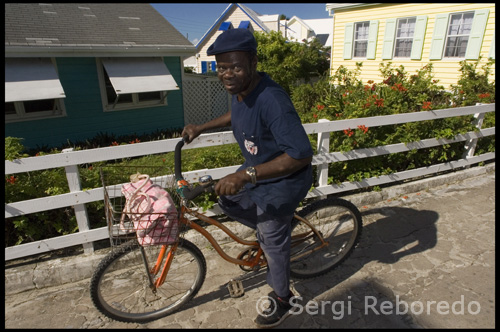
(183, 187)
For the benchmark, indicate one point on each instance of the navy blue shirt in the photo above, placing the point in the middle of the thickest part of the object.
(266, 125)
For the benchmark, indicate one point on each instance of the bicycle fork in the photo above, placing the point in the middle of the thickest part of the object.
(155, 283)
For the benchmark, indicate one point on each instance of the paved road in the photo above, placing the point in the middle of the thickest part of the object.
(426, 260)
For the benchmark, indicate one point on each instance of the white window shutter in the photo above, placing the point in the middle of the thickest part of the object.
(418, 38)
(438, 37)
(372, 40)
(476, 34)
(348, 40)
(389, 35)
(492, 48)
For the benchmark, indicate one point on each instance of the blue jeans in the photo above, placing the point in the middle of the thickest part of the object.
(273, 235)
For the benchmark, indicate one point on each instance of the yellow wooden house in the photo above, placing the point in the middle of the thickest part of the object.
(412, 35)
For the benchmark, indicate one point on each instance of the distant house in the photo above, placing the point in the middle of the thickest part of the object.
(73, 71)
(240, 16)
(300, 30)
(412, 35)
(234, 16)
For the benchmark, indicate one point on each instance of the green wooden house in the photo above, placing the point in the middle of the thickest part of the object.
(73, 71)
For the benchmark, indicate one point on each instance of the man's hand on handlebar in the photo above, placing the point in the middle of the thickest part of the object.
(231, 184)
(190, 132)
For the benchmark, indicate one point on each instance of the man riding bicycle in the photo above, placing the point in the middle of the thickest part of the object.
(277, 173)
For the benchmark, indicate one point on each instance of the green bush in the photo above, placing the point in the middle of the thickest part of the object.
(345, 96)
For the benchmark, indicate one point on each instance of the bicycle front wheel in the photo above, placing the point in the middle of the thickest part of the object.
(339, 223)
(120, 286)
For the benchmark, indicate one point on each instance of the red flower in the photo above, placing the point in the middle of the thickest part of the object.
(114, 143)
(348, 132)
(315, 115)
(363, 128)
(320, 107)
(12, 179)
(379, 102)
(135, 141)
(427, 105)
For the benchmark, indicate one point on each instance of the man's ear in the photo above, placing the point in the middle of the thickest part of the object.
(255, 60)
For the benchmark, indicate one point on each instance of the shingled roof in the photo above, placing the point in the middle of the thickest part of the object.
(64, 27)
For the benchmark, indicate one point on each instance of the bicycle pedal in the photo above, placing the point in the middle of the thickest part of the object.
(235, 288)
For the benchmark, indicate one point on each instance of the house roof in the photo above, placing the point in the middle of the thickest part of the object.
(330, 6)
(249, 12)
(88, 28)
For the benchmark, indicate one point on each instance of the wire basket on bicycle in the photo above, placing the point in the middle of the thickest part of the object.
(140, 203)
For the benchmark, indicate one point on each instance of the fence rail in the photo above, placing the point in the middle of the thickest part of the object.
(77, 198)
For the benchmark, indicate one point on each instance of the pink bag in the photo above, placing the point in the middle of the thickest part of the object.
(152, 211)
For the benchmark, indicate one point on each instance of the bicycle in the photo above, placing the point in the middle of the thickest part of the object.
(141, 283)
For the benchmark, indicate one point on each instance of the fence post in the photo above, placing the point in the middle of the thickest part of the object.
(470, 145)
(323, 148)
(82, 218)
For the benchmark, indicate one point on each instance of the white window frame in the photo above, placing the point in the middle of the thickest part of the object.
(111, 106)
(356, 40)
(21, 115)
(462, 35)
(411, 37)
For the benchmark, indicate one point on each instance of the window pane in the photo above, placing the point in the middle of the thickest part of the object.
(360, 48)
(406, 28)
(34, 106)
(148, 96)
(458, 34)
(361, 39)
(362, 30)
(10, 108)
(467, 23)
(403, 48)
(456, 46)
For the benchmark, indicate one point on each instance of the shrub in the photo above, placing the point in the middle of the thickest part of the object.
(348, 97)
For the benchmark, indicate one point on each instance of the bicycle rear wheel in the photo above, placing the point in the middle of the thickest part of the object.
(120, 286)
(339, 222)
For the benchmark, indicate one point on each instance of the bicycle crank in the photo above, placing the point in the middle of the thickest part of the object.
(248, 255)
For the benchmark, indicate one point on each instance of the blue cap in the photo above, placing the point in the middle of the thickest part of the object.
(233, 40)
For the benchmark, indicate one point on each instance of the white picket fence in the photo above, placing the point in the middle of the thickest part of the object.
(77, 198)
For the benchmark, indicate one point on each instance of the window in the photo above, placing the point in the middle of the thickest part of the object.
(129, 83)
(360, 40)
(459, 30)
(404, 37)
(33, 110)
(361, 31)
(32, 90)
(208, 67)
(459, 35)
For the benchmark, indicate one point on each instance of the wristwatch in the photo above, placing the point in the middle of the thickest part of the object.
(253, 174)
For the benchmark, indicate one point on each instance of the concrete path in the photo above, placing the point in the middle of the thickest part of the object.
(426, 260)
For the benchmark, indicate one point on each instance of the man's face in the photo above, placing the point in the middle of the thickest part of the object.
(235, 70)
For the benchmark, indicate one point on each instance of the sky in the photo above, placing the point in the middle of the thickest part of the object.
(194, 19)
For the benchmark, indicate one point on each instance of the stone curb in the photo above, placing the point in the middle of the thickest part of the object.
(72, 269)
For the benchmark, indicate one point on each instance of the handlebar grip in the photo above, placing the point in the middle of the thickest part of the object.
(196, 191)
(177, 156)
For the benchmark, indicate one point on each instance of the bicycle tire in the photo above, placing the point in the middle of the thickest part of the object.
(340, 224)
(119, 286)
